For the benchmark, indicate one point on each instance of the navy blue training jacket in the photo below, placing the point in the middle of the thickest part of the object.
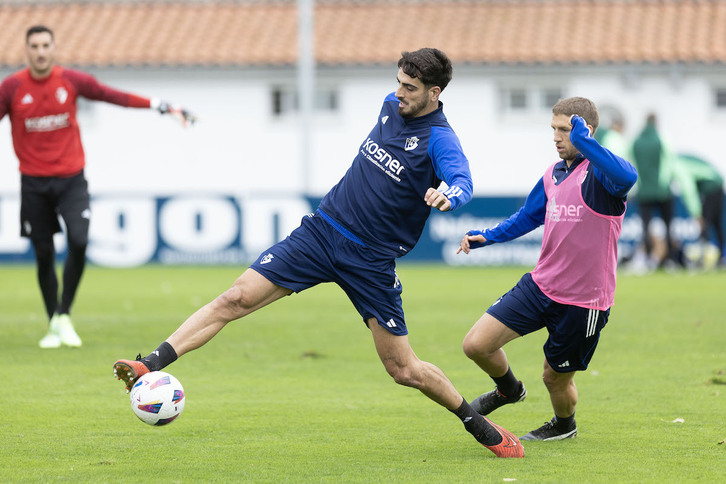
(380, 200)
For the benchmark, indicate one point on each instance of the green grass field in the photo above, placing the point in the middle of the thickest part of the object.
(296, 393)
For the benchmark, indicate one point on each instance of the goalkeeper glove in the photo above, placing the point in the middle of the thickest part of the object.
(177, 112)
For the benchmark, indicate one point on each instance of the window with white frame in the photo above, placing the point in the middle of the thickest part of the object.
(517, 99)
(285, 100)
(550, 96)
(530, 99)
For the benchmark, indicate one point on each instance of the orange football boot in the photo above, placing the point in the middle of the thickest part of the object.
(129, 371)
(510, 446)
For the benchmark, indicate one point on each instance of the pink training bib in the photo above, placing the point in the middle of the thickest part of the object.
(578, 261)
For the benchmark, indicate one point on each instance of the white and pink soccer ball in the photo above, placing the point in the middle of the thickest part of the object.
(157, 398)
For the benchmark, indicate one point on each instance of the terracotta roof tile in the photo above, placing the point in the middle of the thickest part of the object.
(241, 33)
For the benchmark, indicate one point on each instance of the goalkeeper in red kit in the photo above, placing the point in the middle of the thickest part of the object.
(40, 101)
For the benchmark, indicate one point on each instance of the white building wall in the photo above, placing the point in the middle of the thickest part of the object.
(240, 147)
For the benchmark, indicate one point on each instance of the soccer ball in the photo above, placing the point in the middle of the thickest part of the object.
(157, 398)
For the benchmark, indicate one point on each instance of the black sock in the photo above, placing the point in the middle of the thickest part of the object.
(476, 425)
(565, 423)
(507, 384)
(161, 358)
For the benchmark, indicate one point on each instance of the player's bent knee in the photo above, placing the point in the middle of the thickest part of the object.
(405, 379)
(403, 375)
(78, 243)
(477, 348)
(236, 300)
(471, 347)
(556, 381)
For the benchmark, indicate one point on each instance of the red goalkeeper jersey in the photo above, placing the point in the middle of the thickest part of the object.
(42, 114)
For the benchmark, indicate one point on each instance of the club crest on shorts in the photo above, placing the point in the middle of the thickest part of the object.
(267, 259)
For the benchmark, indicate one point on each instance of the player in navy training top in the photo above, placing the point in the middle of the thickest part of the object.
(398, 162)
(375, 214)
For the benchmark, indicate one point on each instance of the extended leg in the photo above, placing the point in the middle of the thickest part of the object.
(249, 292)
(407, 369)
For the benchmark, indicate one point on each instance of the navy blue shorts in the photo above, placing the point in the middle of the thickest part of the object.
(573, 331)
(315, 252)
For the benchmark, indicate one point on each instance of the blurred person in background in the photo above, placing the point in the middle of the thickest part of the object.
(614, 138)
(375, 214)
(654, 161)
(40, 101)
(702, 192)
(581, 201)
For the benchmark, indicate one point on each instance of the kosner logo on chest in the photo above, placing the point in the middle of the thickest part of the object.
(563, 212)
(381, 157)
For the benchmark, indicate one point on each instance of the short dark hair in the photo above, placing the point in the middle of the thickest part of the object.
(431, 66)
(581, 106)
(37, 29)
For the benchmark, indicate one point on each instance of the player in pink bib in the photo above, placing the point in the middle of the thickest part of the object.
(581, 202)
